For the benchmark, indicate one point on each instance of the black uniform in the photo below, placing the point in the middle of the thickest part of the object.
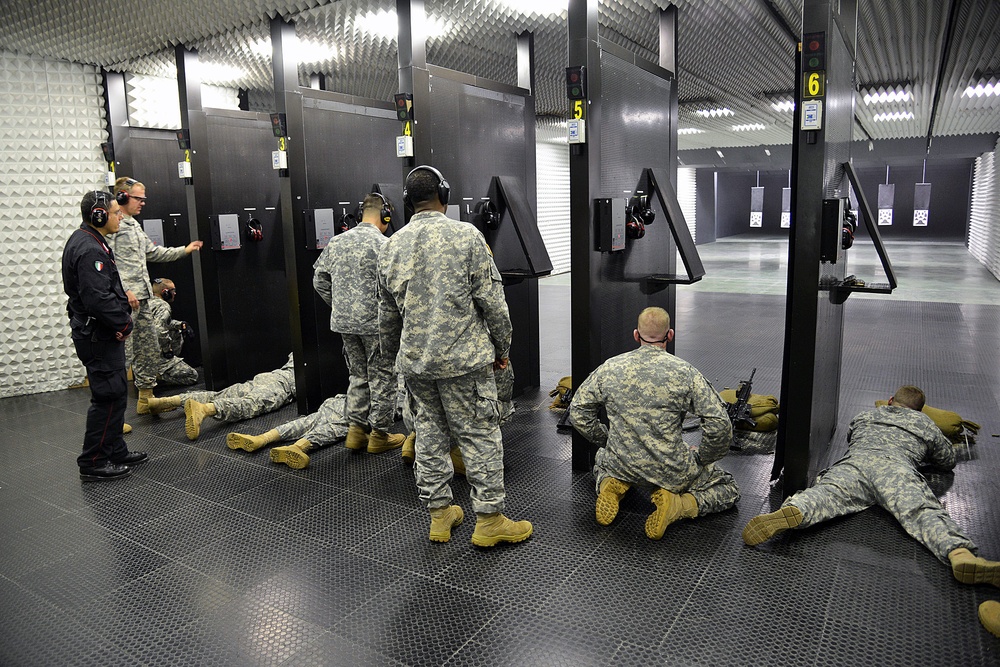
(101, 320)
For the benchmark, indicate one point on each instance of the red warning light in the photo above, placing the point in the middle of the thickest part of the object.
(814, 47)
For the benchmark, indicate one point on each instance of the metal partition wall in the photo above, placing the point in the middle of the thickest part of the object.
(155, 155)
(631, 125)
(814, 315)
(253, 330)
(347, 145)
(481, 129)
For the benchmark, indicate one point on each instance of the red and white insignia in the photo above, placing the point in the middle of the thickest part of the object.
(99, 266)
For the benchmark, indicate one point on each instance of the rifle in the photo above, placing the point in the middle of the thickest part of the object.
(739, 412)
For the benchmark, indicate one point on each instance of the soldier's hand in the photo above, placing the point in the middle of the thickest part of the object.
(500, 364)
(132, 300)
(194, 245)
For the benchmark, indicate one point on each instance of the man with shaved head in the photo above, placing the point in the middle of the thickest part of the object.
(647, 394)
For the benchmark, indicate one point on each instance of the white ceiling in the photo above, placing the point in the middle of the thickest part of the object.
(737, 54)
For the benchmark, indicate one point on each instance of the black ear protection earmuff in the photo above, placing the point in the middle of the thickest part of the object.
(168, 294)
(488, 214)
(122, 196)
(100, 212)
(255, 230)
(386, 212)
(634, 229)
(443, 189)
(850, 226)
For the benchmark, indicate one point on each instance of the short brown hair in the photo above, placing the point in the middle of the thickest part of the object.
(654, 323)
(909, 396)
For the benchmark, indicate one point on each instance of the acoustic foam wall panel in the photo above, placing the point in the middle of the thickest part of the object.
(51, 129)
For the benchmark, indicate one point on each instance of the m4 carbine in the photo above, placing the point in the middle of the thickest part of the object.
(739, 412)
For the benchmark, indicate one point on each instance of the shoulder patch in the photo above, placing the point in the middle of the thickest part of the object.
(99, 266)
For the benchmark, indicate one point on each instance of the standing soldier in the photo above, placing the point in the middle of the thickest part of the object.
(100, 322)
(133, 249)
(647, 394)
(442, 309)
(345, 276)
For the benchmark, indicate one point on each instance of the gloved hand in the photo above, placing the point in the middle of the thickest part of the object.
(187, 331)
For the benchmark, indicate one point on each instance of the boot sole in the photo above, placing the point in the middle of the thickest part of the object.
(990, 624)
(239, 441)
(386, 448)
(662, 517)
(493, 541)
(606, 507)
(977, 573)
(764, 527)
(292, 459)
(191, 429)
(104, 478)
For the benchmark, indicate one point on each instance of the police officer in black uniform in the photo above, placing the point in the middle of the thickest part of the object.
(101, 320)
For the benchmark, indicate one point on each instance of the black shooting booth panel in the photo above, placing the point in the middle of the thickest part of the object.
(250, 280)
(483, 136)
(814, 318)
(636, 134)
(349, 146)
(155, 154)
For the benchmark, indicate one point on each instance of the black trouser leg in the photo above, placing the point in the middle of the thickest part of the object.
(103, 440)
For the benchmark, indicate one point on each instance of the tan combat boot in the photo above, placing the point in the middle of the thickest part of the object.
(251, 443)
(443, 519)
(126, 428)
(294, 455)
(765, 526)
(357, 438)
(194, 415)
(142, 405)
(606, 508)
(669, 508)
(989, 616)
(409, 452)
(491, 529)
(971, 569)
(165, 404)
(457, 461)
(380, 441)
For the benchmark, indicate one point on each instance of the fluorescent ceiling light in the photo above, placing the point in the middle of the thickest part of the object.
(979, 90)
(897, 94)
(306, 52)
(783, 105)
(690, 130)
(749, 127)
(895, 115)
(720, 153)
(219, 73)
(713, 113)
(537, 7)
(384, 25)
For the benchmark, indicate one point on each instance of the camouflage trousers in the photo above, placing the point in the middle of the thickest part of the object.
(461, 410)
(856, 483)
(323, 427)
(714, 489)
(265, 393)
(142, 348)
(371, 391)
(176, 371)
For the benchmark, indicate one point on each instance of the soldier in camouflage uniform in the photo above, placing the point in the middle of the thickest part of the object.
(442, 309)
(647, 394)
(345, 277)
(324, 427)
(132, 250)
(885, 446)
(170, 333)
(266, 392)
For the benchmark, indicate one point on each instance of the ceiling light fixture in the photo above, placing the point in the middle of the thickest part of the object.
(384, 25)
(720, 153)
(307, 51)
(895, 115)
(690, 130)
(982, 89)
(887, 95)
(749, 127)
(783, 105)
(714, 113)
(767, 152)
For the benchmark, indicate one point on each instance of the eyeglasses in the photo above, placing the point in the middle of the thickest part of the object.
(142, 199)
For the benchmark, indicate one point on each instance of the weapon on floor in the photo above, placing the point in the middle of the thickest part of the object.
(739, 412)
